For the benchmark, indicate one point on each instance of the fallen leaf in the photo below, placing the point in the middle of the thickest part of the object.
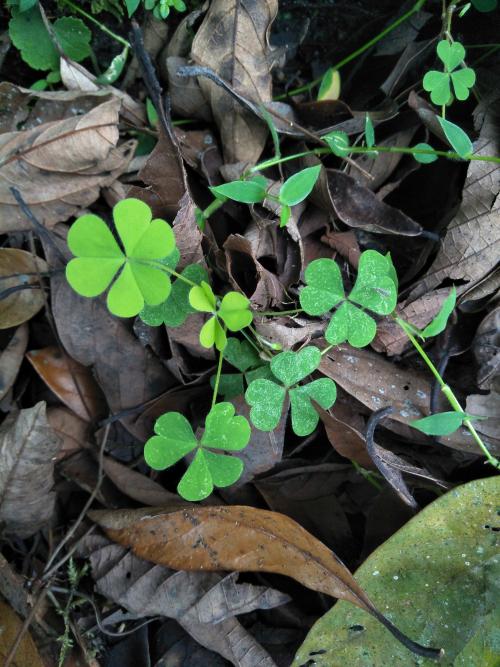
(12, 357)
(488, 407)
(235, 538)
(73, 383)
(486, 348)
(22, 268)
(344, 429)
(203, 603)
(10, 626)
(28, 447)
(73, 431)
(61, 166)
(443, 564)
(471, 247)
(233, 42)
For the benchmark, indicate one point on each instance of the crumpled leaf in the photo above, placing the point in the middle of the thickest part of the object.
(20, 305)
(444, 565)
(205, 604)
(237, 538)
(233, 42)
(60, 167)
(27, 449)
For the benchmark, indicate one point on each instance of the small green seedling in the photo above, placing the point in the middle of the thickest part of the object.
(266, 397)
(233, 310)
(160, 8)
(136, 274)
(461, 79)
(175, 439)
(375, 289)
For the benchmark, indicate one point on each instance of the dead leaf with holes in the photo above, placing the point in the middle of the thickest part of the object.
(60, 167)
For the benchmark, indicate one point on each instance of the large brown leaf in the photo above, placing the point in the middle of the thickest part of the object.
(61, 166)
(233, 42)
(27, 449)
(18, 268)
(236, 538)
(11, 358)
(10, 626)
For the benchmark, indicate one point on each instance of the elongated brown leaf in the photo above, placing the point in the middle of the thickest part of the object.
(27, 449)
(233, 42)
(19, 268)
(61, 166)
(11, 358)
(238, 538)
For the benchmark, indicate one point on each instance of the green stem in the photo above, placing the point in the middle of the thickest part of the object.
(92, 19)
(326, 349)
(255, 347)
(211, 208)
(368, 475)
(166, 269)
(217, 376)
(302, 89)
(278, 313)
(447, 391)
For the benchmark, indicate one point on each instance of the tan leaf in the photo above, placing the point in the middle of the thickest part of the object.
(10, 625)
(28, 447)
(233, 42)
(22, 268)
(11, 358)
(73, 383)
(236, 538)
(60, 166)
(73, 431)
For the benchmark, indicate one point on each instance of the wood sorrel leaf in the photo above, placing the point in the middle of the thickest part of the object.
(374, 288)
(266, 399)
(225, 431)
(299, 186)
(438, 324)
(438, 85)
(350, 323)
(247, 192)
(230, 385)
(235, 311)
(292, 367)
(212, 333)
(450, 53)
(304, 416)
(241, 354)
(463, 80)
(324, 287)
(442, 423)
(202, 298)
(457, 138)
(173, 440)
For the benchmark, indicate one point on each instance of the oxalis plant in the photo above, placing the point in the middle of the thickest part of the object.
(137, 268)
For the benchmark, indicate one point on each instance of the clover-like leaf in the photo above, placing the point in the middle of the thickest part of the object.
(174, 311)
(374, 288)
(304, 416)
(175, 438)
(450, 53)
(324, 287)
(212, 333)
(98, 258)
(202, 298)
(439, 84)
(299, 186)
(230, 385)
(292, 367)
(241, 354)
(266, 399)
(350, 323)
(235, 312)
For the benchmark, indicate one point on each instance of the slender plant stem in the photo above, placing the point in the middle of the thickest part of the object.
(368, 475)
(278, 313)
(352, 56)
(217, 376)
(166, 269)
(447, 391)
(255, 347)
(214, 206)
(91, 18)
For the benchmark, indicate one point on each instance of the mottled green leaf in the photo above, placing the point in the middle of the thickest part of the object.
(324, 287)
(304, 416)
(292, 367)
(266, 401)
(350, 323)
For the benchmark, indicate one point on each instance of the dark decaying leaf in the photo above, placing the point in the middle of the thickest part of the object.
(11, 358)
(28, 447)
(233, 42)
(243, 539)
(11, 626)
(204, 603)
(19, 268)
(486, 348)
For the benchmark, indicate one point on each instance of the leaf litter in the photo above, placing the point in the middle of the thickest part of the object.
(332, 443)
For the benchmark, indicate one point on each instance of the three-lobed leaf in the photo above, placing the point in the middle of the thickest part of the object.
(439, 84)
(324, 287)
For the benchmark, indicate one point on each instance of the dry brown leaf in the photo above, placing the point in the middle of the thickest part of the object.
(11, 358)
(20, 305)
(10, 625)
(488, 407)
(344, 426)
(233, 42)
(73, 383)
(486, 348)
(61, 166)
(471, 247)
(204, 603)
(28, 447)
(236, 538)
(73, 431)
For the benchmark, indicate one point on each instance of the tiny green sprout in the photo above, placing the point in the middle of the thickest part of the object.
(266, 397)
(137, 273)
(233, 310)
(175, 439)
(329, 88)
(457, 138)
(439, 84)
(375, 290)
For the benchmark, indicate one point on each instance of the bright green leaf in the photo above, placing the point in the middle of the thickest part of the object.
(450, 53)
(374, 288)
(457, 138)
(369, 132)
(438, 84)
(329, 88)
(132, 6)
(351, 324)
(299, 186)
(285, 214)
(338, 142)
(73, 37)
(266, 400)
(424, 158)
(212, 334)
(225, 431)
(173, 440)
(29, 34)
(324, 288)
(196, 483)
(225, 470)
(202, 298)
(114, 69)
(235, 311)
(304, 416)
(438, 324)
(247, 192)
(463, 80)
(442, 423)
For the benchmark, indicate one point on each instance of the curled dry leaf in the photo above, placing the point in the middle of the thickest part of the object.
(61, 166)
(28, 447)
(73, 383)
(237, 538)
(204, 603)
(22, 268)
(233, 42)
(12, 357)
